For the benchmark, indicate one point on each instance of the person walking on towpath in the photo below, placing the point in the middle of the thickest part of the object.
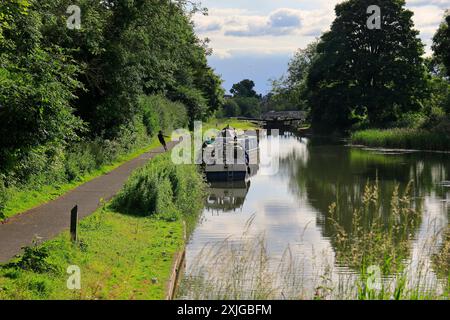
(162, 140)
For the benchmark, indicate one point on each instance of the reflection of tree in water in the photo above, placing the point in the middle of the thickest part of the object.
(375, 239)
(337, 174)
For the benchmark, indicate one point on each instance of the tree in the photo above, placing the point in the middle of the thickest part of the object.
(245, 88)
(249, 106)
(36, 88)
(289, 92)
(367, 75)
(441, 43)
(231, 108)
(298, 68)
(131, 48)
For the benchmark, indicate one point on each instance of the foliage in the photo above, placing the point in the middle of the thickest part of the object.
(366, 75)
(33, 259)
(133, 48)
(245, 101)
(244, 88)
(387, 243)
(3, 197)
(37, 87)
(231, 108)
(290, 92)
(194, 101)
(119, 256)
(441, 260)
(249, 107)
(160, 113)
(441, 43)
(72, 101)
(403, 138)
(162, 189)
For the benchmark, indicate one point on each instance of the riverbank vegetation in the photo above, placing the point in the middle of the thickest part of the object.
(374, 241)
(75, 102)
(403, 138)
(355, 78)
(125, 250)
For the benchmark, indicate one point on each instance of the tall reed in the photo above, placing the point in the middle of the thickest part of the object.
(244, 269)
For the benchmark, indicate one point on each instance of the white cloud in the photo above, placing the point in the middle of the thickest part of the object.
(262, 28)
(427, 18)
(279, 23)
(443, 4)
(282, 31)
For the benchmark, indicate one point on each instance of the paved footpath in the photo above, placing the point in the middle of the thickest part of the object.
(49, 220)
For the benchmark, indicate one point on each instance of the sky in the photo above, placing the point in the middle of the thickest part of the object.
(255, 39)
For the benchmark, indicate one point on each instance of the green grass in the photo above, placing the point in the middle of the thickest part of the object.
(165, 190)
(120, 257)
(125, 250)
(222, 123)
(402, 139)
(23, 199)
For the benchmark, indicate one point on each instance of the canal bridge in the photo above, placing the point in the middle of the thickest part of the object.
(274, 119)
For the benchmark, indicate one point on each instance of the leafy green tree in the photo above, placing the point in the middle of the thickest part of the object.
(231, 108)
(298, 68)
(249, 106)
(245, 88)
(289, 92)
(367, 75)
(130, 48)
(36, 88)
(441, 43)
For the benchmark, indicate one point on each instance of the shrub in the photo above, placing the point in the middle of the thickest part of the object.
(231, 108)
(33, 259)
(159, 113)
(163, 189)
(413, 120)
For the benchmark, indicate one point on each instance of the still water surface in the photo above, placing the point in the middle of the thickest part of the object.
(291, 209)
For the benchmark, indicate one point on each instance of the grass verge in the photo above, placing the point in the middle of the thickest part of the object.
(119, 256)
(23, 199)
(222, 123)
(402, 139)
(125, 250)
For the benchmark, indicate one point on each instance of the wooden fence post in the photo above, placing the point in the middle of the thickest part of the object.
(73, 224)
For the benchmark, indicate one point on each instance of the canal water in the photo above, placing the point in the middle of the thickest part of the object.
(293, 219)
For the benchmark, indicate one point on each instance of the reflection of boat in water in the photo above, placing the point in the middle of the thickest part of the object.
(227, 196)
(231, 157)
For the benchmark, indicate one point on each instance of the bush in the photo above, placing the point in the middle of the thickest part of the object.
(159, 113)
(248, 106)
(412, 120)
(443, 126)
(164, 190)
(33, 259)
(231, 108)
(195, 102)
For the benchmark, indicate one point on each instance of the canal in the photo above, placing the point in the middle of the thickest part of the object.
(329, 215)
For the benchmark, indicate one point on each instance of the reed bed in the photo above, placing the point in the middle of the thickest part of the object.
(403, 138)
